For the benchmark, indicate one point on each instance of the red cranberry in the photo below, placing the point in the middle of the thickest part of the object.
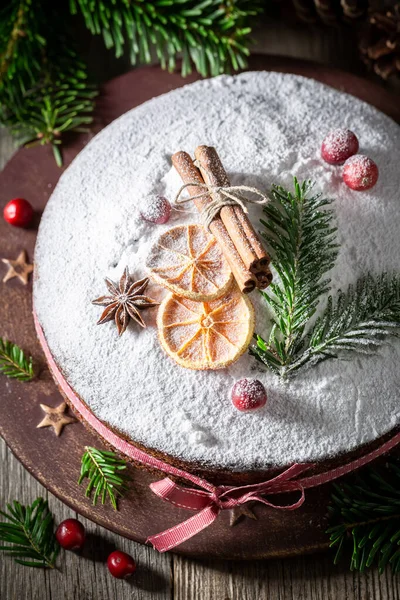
(157, 210)
(360, 173)
(338, 146)
(248, 394)
(18, 212)
(120, 564)
(71, 534)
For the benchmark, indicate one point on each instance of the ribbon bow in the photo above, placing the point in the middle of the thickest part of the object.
(221, 196)
(209, 501)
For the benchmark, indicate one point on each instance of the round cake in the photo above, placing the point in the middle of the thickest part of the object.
(267, 128)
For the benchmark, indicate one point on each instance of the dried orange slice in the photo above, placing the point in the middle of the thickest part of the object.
(188, 261)
(206, 335)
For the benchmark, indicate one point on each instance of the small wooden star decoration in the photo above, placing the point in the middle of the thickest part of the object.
(239, 512)
(55, 417)
(18, 268)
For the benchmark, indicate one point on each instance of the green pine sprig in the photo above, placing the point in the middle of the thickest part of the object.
(104, 471)
(365, 516)
(61, 102)
(29, 533)
(43, 84)
(210, 35)
(44, 91)
(300, 236)
(359, 321)
(14, 363)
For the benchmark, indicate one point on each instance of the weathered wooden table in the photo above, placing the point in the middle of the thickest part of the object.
(168, 576)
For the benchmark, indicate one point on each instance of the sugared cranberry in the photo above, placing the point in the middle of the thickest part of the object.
(338, 146)
(71, 534)
(157, 210)
(248, 394)
(18, 212)
(360, 173)
(120, 564)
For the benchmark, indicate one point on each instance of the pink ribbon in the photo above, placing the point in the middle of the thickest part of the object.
(210, 500)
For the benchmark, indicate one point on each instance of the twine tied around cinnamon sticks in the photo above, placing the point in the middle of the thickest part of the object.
(221, 196)
(229, 224)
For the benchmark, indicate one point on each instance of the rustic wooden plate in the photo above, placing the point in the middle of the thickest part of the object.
(55, 462)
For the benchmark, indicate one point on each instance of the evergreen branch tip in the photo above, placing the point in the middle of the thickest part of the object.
(104, 470)
(14, 363)
(28, 532)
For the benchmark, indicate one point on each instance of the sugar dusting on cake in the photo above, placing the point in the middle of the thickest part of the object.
(267, 128)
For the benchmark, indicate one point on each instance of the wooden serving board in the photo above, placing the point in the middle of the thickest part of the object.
(55, 462)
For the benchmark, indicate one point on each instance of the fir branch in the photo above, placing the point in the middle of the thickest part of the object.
(301, 240)
(365, 515)
(21, 44)
(210, 35)
(43, 84)
(359, 321)
(43, 114)
(29, 534)
(14, 363)
(103, 469)
(13, 17)
(43, 87)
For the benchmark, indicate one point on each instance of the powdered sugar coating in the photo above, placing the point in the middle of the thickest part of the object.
(338, 146)
(266, 127)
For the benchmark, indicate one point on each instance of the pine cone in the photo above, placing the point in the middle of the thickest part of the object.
(330, 12)
(380, 42)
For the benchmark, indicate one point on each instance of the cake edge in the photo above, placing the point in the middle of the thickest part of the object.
(214, 474)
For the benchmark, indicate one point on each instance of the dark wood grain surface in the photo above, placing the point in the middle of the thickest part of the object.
(56, 461)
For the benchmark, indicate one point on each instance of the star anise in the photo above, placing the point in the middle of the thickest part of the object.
(125, 302)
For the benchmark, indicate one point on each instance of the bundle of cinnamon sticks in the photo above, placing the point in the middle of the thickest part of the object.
(232, 228)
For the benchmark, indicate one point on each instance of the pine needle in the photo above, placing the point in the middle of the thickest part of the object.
(358, 321)
(301, 238)
(28, 531)
(365, 515)
(43, 83)
(104, 471)
(14, 363)
(210, 36)
(43, 87)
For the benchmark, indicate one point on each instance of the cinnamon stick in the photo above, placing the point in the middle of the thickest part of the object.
(237, 223)
(189, 173)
